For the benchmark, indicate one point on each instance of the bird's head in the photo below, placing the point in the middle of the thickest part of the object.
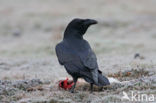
(78, 27)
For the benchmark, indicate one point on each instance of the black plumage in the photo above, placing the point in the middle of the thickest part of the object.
(76, 55)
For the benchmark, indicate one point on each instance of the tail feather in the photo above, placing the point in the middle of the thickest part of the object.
(102, 80)
(96, 78)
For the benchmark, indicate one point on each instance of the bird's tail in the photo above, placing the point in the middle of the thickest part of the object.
(102, 80)
(97, 78)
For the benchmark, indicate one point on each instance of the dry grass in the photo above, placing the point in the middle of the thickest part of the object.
(29, 31)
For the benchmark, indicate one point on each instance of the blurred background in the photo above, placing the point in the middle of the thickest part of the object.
(124, 42)
(30, 29)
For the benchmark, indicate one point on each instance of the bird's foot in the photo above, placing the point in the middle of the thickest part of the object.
(71, 91)
(100, 89)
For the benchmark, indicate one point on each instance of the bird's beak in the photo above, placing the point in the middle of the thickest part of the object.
(90, 22)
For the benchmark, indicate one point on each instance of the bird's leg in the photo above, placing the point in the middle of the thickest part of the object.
(101, 88)
(73, 87)
(91, 87)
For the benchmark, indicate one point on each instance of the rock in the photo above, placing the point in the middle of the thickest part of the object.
(137, 55)
(17, 33)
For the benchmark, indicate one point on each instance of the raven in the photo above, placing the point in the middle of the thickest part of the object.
(76, 55)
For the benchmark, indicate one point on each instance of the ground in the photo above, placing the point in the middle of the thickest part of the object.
(29, 31)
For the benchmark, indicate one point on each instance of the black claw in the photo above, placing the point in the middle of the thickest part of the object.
(73, 87)
(71, 91)
(91, 88)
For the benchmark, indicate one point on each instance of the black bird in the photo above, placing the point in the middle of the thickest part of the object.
(76, 55)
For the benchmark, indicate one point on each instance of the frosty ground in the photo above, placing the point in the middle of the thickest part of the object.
(29, 31)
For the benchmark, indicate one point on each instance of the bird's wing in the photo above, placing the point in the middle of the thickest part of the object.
(89, 59)
(59, 53)
(64, 55)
